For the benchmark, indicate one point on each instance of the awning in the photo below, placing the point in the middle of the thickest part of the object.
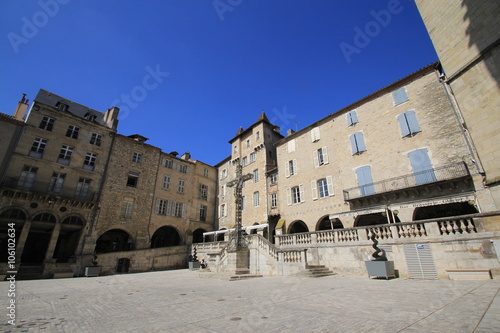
(217, 232)
(355, 213)
(433, 202)
(281, 223)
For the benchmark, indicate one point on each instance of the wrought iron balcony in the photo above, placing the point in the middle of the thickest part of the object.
(45, 188)
(447, 172)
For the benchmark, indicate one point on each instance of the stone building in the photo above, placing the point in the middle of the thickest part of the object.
(51, 184)
(466, 36)
(377, 159)
(254, 149)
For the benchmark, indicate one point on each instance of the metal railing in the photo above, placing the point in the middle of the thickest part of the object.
(45, 188)
(447, 172)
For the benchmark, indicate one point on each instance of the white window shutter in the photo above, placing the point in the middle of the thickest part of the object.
(288, 196)
(287, 169)
(157, 208)
(316, 158)
(183, 210)
(314, 189)
(295, 168)
(329, 183)
(301, 189)
(169, 207)
(325, 155)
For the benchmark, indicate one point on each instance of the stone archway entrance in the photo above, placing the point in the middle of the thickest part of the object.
(112, 241)
(298, 227)
(327, 224)
(445, 210)
(38, 240)
(371, 219)
(198, 235)
(165, 236)
(68, 239)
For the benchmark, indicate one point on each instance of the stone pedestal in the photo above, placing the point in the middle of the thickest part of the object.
(238, 261)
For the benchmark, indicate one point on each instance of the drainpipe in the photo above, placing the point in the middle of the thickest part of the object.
(461, 122)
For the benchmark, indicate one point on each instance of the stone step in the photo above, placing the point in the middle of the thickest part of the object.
(318, 271)
(244, 276)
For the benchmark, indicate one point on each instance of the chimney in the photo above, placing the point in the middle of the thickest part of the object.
(290, 132)
(22, 106)
(186, 156)
(111, 117)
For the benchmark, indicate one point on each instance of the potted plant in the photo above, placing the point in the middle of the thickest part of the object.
(379, 265)
(93, 269)
(193, 260)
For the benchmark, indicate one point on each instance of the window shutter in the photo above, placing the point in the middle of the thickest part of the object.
(295, 168)
(349, 119)
(411, 118)
(422, 166)
(316, 158)
(360, 141)
(400, 96)
(183, 209)
(365, 181)
(329, 183)
(287, 169)
(405, 131)
(315, 134)
(291, 145)
(288, 196)
(325, 155)
(354, 146)
(169, 207)
(157, 209)
(314, 189)
(301, 189)
(352, 118)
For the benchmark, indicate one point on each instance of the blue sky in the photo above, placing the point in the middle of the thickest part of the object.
(187, 74)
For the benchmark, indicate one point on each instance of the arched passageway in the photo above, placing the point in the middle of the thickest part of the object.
(327, 224)
(445, 210)
(69, 236)
(297, 227)
(198, 235)
(165, 236)
(9, 218)
(371, 219)
(114, 240)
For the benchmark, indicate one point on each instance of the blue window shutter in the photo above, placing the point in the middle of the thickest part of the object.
(349, 119)
(365, 181)
(400, 96)
(421, 166)
(405, 131)
(411, 118)
(354, 146)
(360, 141)
(354, 117)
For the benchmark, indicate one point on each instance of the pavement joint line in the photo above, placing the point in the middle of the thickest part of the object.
(449, 303)
(486, 311)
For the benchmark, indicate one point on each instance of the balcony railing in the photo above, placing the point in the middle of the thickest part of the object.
(45, 188)
(447, 172)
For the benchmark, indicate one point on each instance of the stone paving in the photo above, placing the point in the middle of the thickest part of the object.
(181, 301)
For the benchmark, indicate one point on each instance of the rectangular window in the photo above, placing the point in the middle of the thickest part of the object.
(90, 161)
(320, 157)
(203, 212)
(256, 176)
(137, 158)
(82, 188)
(56, 182)
(248, 143)
(37, 148)
(132, 179)
(352, 118)
(47, 123)
(252, 157)
(296, 195)
(408, 123)
(315, 134)
(181, 186)
(96, 139)
(222, 210)
(178, 209)
(27, 178)
(205, 172)
(72, 132)
(183, 168)
(161, 206)
(223, 190)
(421, 166)
(256, 199)
(203, 192)
(127, 209)
(399, 96)
(257, 135)
(166, 182)
(274, 178)
(244, 161)
(365, 181)
(291, 168)
(274, 200)
(223, 174)
(357, 143)
(65, 155)
(168, 163)
(61, 106)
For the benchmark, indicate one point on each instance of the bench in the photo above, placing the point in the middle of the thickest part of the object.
(469, 274)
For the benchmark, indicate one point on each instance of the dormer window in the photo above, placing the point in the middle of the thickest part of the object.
(61, 106)
(90, 116)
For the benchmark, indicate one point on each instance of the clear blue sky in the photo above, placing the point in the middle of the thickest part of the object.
(187, 74)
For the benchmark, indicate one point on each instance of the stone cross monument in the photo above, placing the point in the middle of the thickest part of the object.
(237, 183)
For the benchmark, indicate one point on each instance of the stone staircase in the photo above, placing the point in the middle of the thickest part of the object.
(317, 271)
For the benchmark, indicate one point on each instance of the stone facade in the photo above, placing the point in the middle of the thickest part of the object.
(466, 36)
